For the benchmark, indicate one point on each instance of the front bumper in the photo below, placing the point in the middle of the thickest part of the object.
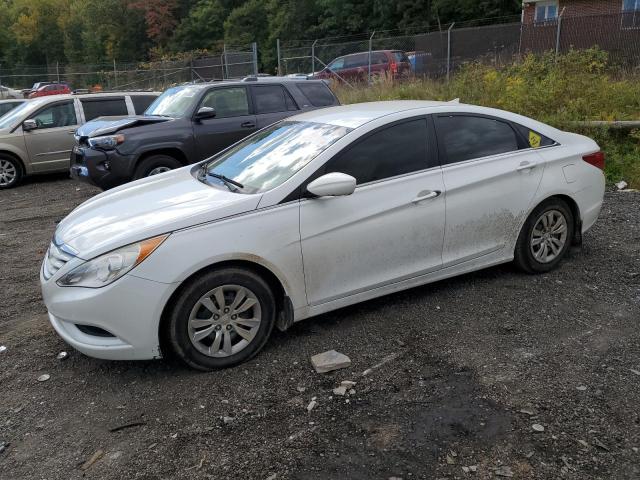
(129, 310)
(103, 168)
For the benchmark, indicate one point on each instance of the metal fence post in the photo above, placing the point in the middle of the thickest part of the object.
(115, 75)
(313, 57)
(279, 72)
(370, 48)
(58, 72)
(225, 71)
(558, 32)
(254, 50)
(449, 49)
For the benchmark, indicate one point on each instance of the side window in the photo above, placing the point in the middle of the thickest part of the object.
(378, 58)
(318, 94)
(466, 137)
(142, 102)
(59, 115)
(357, 60)
(532, 138)
(395, 150)
(104, 107)
(228, 102)
(272, 98)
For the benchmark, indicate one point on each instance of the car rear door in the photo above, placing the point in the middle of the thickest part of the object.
(389, 229)
(50, 144)
(490, 176)
(233, 120)
(271, 103)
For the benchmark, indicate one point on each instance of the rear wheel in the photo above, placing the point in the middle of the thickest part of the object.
(545, 237)
(10, 172)
(221, 319)
(155, 164)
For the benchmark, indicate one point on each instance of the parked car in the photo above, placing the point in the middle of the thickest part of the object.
(8, 105)
(316, 212)
(50, 89)
(8, 93)
(37, 136)
(355, 67)
(187, 124)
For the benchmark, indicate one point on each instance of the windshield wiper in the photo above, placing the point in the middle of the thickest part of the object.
(229, 183)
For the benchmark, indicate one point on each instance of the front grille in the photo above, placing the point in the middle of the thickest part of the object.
(54, 260)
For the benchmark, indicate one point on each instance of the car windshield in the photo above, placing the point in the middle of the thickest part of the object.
(17, 114)
(271, 156)
(175, 102)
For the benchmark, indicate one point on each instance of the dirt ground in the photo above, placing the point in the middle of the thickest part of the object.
(478, 361)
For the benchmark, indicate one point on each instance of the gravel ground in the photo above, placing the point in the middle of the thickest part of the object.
(479, 360)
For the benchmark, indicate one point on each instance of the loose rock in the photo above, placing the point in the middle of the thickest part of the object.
(503, 471)
(582, 388)
(537, 427)
(312, 405)
(329, 361)
(44, 377)
(228, 420)
(62, 356)
(621, 185)
(348, 383)
(340, 391)
(3, 349)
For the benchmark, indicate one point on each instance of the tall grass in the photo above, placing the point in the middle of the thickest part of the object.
(577, 86)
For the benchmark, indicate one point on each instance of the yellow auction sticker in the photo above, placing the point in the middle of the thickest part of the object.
(534, 139)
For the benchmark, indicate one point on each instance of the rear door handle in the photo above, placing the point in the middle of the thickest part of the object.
(426, 195)
(247, 125)
(525, 166)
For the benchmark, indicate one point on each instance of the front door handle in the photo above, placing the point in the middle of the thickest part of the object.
(247, 125)
(426, 195)
(525, 166)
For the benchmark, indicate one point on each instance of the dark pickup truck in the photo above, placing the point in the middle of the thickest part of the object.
(187, 124)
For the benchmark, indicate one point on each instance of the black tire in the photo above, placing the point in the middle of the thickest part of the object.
(177, 334)
(9, 166)
(153, 162)
(523, 255)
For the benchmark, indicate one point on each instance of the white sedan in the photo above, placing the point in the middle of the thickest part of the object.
(314, 213)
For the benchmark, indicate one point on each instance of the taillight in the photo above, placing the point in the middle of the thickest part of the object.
(596, 159)
(394, 68)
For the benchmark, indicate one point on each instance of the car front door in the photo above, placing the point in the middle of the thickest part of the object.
(490, 176)
(389, 229)
(271, 103)
(233, 120)
(50, 144)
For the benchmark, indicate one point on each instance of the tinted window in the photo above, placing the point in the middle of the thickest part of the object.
(59, 115)
(378, 58)
(466, 137)
(142, 102)
(5, 107)
(359, 60)
(337, 64)
(532, 138)
(272, 98)
(103, 108)
(317, 93)
(393, 151)
(228, 102)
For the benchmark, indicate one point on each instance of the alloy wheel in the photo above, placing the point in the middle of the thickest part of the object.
(224, 321)
(549, 236)
(8, 172)
(158, 170)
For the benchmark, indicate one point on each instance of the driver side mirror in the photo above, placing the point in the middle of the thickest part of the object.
(205, 112)
(333, 184)
(29, 125)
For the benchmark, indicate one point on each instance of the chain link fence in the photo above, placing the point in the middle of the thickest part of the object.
(439, 51)
(232, 62)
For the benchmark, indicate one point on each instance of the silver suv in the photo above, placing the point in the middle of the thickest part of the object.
(37, 136)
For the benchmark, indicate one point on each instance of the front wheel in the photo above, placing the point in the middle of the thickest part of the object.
(10, 172)
(155, 164)
(545, 237)
(221, 319)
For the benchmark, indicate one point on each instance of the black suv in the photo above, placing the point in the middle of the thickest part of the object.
(187, 124)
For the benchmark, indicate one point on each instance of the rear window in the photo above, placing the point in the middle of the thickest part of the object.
(272, 98)
(104, 107)
(400, 57)
(141, 102)
(318, 94)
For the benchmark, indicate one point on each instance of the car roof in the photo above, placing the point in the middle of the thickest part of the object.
(357, 114)
(249, 80)
(13, 100)
(65, 96)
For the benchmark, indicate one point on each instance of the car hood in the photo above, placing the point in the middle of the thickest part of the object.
(145, 208)
(108, 125)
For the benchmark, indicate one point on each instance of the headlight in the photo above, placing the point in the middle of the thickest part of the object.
(106, 142)
(107, 268)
